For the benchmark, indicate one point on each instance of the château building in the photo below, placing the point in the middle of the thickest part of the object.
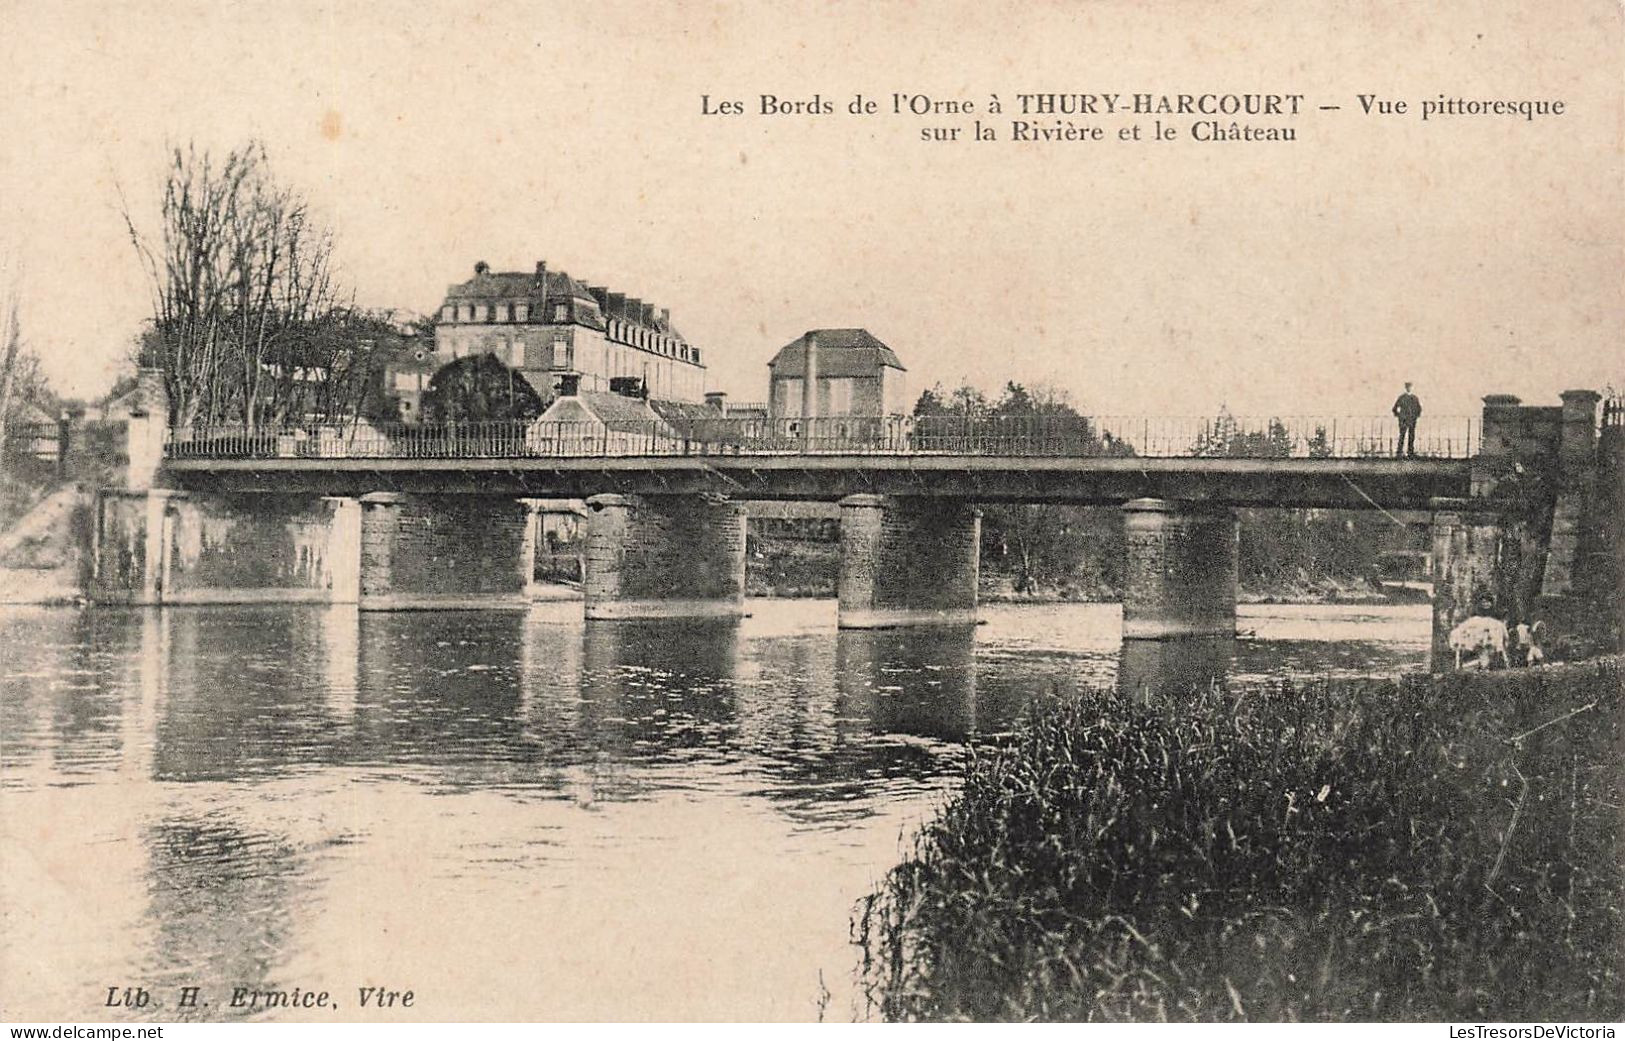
(547, 325)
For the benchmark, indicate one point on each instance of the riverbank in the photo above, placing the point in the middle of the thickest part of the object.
(1427, 848)
(999, 589)
(790, 568)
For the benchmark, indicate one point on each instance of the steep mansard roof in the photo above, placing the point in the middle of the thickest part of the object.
(595, 304)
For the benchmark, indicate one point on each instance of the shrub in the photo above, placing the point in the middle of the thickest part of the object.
(1367, 850)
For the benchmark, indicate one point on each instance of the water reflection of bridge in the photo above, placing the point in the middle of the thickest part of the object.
(526, 700)
(268, 765)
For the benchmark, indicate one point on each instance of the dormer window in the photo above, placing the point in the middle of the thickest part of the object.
(561, 312)
(521, 312)
(448, 313)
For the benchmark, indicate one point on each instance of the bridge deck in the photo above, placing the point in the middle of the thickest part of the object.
(1330, 483)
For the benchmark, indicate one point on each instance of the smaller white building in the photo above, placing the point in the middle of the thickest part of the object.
(600, 423)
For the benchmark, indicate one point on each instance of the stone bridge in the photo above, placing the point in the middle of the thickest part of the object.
(423, 519)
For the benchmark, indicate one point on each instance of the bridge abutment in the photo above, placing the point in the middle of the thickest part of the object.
(908, 561)
(1468, 572)
(1181, 574)
(664, 556)
(157, 546)
(443, 551)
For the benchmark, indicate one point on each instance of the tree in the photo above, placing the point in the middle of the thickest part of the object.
(1223, 437)
(11, 351)
(930, 402)
(243, 291)
(478, 388)
(22, 383)
(964, 401)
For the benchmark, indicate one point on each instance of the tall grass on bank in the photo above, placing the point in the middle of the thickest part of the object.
(1370, 850)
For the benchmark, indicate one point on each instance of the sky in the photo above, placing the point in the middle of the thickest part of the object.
(1470, 255)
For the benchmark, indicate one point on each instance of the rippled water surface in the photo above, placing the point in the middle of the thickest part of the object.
(514, 815)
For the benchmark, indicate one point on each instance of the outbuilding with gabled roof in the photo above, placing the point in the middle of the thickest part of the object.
(853, 373)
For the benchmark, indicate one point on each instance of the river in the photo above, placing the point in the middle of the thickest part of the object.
(514, 815)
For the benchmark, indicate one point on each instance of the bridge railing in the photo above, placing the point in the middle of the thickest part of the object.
(1271, 437)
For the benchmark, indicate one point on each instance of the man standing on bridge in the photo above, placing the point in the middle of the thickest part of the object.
(1408, 408)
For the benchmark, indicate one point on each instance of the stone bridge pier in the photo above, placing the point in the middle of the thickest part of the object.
(664, 556)
(445, 551)
(1181, 574)
(908, 561)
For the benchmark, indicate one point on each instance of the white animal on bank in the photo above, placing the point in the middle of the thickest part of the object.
(1482, 636)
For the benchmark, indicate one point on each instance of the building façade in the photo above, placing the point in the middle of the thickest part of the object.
(547, 325)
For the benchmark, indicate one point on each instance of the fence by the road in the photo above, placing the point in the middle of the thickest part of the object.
(1272, 437)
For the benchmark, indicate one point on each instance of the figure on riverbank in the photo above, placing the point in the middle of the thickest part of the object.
(1526, 641)
(1408, 407)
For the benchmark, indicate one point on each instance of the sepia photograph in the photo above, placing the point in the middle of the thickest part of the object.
(545, 511)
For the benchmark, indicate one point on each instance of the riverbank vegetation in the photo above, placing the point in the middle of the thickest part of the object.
(1417, 850)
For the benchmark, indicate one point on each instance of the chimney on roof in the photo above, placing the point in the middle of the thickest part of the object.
(600, 294)
(481, 267)
(665, 316)
(569, 385)
(634, 309)
(809, 377)
(541, 273)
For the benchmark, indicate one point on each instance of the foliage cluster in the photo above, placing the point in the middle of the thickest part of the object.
(1417, 850)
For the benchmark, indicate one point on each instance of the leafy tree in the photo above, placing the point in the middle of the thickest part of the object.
(1016, 401)
(931, 402)
(965, 401)
(477, 388)
(1222, 437)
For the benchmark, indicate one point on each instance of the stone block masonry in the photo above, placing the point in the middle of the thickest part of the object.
(1468, 574)
(908, 561)
(664, 556)
(165, 547)
(443, 551)
(1181, 576)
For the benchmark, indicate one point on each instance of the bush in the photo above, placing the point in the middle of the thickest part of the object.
(1367, 850)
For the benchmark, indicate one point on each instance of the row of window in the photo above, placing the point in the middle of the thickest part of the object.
(512, 311)
(629, 333)
(649, 340)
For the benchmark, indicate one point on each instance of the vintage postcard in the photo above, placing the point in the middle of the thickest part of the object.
(1079, 510)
